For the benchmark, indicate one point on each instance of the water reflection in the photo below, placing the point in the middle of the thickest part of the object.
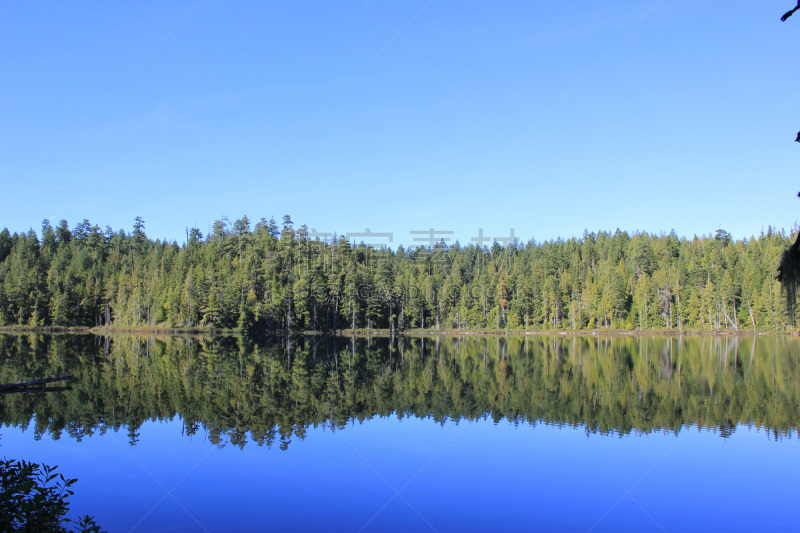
(271, 391)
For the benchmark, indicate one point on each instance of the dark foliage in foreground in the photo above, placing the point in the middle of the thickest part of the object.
(33, 499)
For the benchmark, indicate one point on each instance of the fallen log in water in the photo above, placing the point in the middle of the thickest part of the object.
(38, 383)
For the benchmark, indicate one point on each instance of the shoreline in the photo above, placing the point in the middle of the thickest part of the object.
(103, 330)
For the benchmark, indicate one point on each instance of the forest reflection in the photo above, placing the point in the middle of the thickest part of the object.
(233, 390)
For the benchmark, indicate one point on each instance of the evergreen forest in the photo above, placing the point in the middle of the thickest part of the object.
(275, 277)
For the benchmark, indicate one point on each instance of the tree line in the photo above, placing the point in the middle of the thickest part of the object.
(271, 277)
(236, 390)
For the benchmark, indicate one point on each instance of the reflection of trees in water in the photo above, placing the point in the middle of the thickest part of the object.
(271, 391)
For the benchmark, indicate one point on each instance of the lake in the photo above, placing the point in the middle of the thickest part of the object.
(472, 433)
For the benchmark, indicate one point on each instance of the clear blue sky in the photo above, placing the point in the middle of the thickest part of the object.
(541, 116)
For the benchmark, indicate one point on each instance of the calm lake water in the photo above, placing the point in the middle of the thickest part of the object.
(475, 433)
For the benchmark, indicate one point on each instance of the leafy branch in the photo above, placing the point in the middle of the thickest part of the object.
(33, 498)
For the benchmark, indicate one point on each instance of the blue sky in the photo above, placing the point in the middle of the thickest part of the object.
(548, 117)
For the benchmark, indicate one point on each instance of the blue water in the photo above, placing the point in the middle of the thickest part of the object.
(414, 474)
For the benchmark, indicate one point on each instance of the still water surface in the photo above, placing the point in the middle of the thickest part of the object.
(415, 434)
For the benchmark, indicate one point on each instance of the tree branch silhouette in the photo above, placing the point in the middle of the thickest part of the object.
(789, 268)
(790, 12)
